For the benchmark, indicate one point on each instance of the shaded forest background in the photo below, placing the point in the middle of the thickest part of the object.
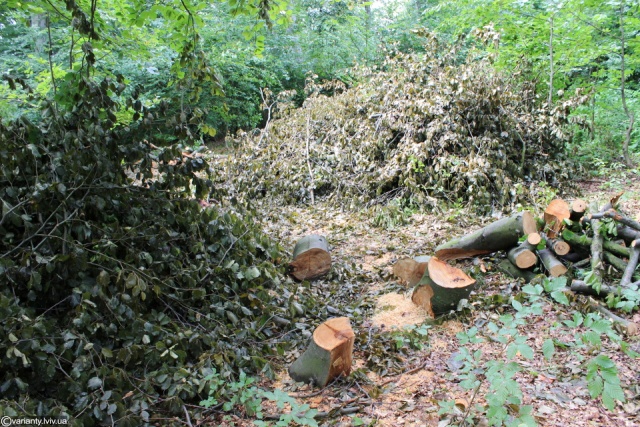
(122, 299)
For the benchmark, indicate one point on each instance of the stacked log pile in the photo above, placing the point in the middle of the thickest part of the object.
(601, 246)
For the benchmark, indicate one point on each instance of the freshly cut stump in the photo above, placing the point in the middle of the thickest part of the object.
(311, 258)
(441, 287)
(500, 235)
(330, 353)
(411, 270)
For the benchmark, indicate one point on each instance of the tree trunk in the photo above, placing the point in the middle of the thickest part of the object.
(411, 270)
(551, 263)
(329, 354)
(630, 115)
(311, 258)
(500, 235)
(441, 288)
(507, 267)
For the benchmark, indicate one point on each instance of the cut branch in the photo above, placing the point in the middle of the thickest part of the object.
(631, 266)
(500, 235)
(584, 241)
(523, 256)
(551, 263)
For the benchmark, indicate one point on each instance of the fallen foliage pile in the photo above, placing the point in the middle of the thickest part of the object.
(423, 128)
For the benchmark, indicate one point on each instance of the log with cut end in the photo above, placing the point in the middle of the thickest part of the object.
(577, 210)
(500, 235)
(441, 287)
(558, 246)
(597, 265)
(330, 354)
(411, 270)
(311, 258)
(507, 267)
(554, 215)
(523, 256)
(534, 239)
(551, 263)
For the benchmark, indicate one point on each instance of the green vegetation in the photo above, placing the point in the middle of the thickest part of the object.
(122, 299)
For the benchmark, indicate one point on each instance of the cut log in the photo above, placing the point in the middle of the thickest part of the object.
(507, 267)
(411, 270)
(584, 241)
(441, 287)
(577, 210)
(581, 287)
(311, 258)
(554, 215)
(523, 256)
(574, 257)
(330, 353)
(551, 263)
(558, 246)
(534, 239)
(631, 265)
(500, 235)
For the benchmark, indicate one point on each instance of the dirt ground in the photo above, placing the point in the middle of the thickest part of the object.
(556, 388)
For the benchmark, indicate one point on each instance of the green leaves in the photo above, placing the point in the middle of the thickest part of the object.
(603, 381)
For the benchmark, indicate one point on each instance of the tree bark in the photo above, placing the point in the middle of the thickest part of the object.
(618, 264)
(551, 263)
(581, 287)
(584, 241)
(500, 235)
(625, 107)
(597, 266)
(311, 258)
(631, 266)
(628, 234)
(329, 354)
(507, 267)
(441, 288)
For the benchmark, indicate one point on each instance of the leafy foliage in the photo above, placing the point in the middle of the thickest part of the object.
(422, 128)
(114, 292)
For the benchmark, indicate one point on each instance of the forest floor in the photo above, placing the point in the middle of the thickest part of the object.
(366, 247)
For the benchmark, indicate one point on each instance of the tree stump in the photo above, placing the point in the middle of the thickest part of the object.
(311, 258)
(441, 287)
(411, 270)
(329, 354)
(500, 235)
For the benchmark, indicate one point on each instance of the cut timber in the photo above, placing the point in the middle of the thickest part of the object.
(554, 216)
(507, 267)
(411, 270)
(580, 287)
(500, 235)
(578, 208)
(329, 354)
(311, 258)
(534, 238)
(559, 247)
(441, 287)
(597, 265)
(551, 263)
(584, 241)
(523, 255)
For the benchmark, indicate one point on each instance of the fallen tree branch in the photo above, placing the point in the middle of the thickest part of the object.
(631, 266)
(616, 217)
(581, 287)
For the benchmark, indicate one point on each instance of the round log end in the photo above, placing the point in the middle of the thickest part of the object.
(311, 264)
(534, 238)
(561, 248)
(448, 276)
(526, 259)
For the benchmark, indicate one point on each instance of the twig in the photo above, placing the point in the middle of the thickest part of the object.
(230, 246)
(186, 413)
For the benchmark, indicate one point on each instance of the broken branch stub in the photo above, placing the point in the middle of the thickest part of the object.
(329, 354)
(499, 235)
(311, 258)
(441, 287)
